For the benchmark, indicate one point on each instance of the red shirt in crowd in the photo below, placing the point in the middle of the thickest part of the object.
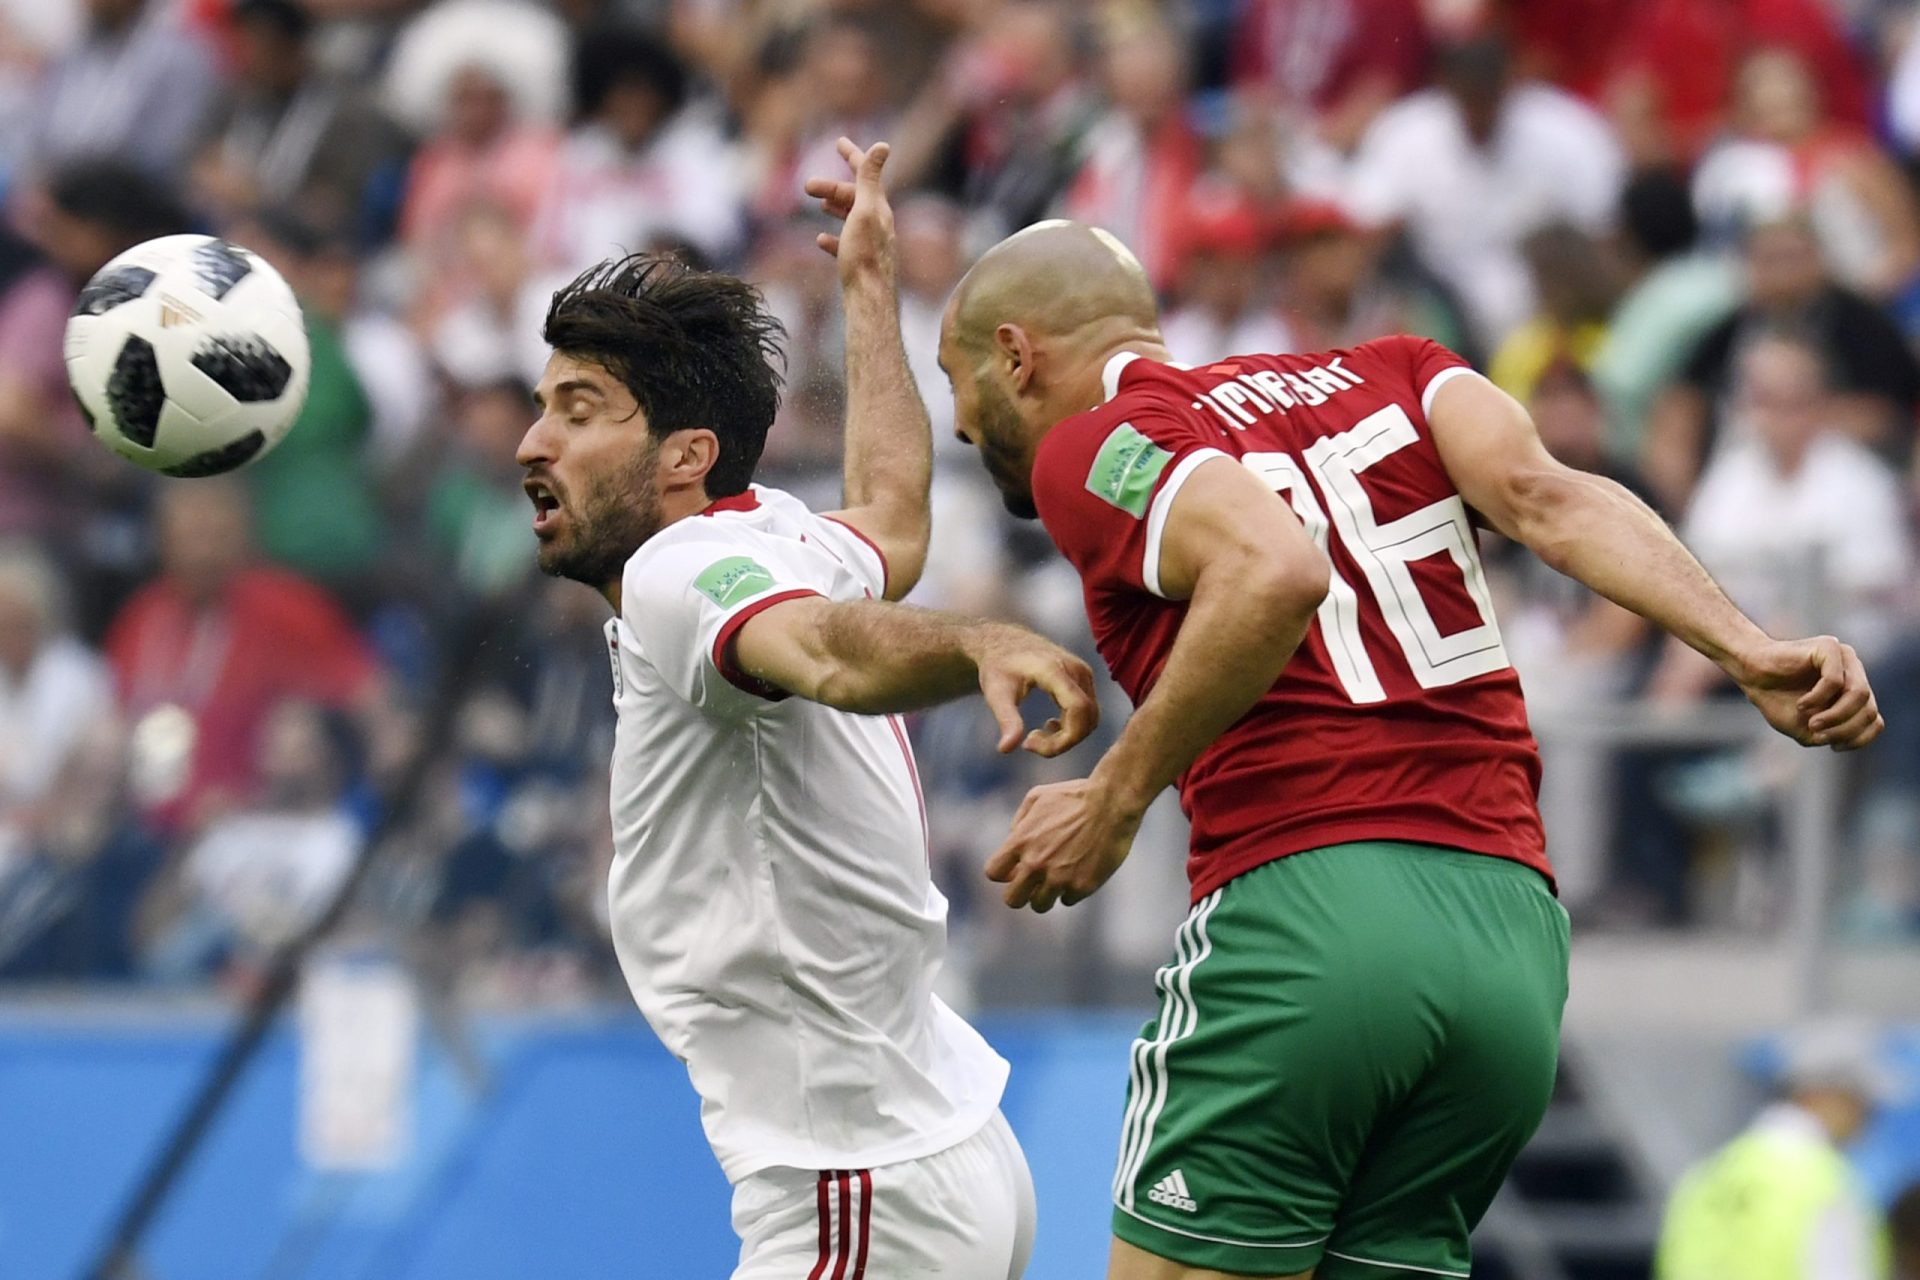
(1687, 52)
(269, 637)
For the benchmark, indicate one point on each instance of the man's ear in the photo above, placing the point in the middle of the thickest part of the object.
(686, 456)
(1015, 351)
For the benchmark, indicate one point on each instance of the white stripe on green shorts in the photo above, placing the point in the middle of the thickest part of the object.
(1148, 1059)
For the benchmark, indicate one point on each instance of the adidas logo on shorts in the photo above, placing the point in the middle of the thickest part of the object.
(1172, 1192)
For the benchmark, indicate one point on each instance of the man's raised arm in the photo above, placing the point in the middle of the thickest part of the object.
(889, 441)
(1814, 690)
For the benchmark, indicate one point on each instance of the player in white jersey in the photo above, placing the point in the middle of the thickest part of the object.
(772, 905)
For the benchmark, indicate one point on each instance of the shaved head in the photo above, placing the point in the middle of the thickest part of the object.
(1027, 334)
(1054, 279)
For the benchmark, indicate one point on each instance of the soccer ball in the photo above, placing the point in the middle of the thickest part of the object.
(188, 355)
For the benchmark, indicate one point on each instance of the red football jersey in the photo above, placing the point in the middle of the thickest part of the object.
(1399, 718)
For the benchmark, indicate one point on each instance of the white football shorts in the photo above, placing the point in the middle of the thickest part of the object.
(966, 1213)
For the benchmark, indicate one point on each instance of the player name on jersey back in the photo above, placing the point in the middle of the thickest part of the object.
(1242, 396)
(1400, 716)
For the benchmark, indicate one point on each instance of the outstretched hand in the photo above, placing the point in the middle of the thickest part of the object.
(1814, 691)
(1012, 663)
(865, 241)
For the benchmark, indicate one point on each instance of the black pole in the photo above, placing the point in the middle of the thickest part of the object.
(118, 1258)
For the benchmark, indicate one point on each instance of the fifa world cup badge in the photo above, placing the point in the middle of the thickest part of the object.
(613, 655)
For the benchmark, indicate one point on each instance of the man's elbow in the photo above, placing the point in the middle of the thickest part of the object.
(832, 686)
(1543, 506)
(905, 564)
(1288, 585)
(902, 533)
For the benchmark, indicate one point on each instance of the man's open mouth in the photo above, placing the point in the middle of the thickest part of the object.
(545, 504)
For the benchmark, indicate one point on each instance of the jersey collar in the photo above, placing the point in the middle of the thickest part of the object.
(746, 500)
(1116, 365)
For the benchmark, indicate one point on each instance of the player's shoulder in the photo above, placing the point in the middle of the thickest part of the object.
(1398, 351)
(1402, 366)
(747, 524)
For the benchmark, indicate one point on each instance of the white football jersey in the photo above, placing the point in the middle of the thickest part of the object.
(772, 905)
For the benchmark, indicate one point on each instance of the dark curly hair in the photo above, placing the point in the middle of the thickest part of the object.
(609, 55)
(696, 349)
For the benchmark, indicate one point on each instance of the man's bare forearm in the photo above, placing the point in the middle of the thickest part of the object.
(1598, 533)
(882, 658)
(889, 440)
(867, 657)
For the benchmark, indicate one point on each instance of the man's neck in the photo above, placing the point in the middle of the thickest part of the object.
(674, 507)
(1090, 383)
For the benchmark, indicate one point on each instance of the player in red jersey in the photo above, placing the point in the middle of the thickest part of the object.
(1359, 1027)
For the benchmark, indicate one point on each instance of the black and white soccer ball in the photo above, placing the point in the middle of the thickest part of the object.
(188, 355)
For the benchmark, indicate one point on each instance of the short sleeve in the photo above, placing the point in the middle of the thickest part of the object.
(1431, 366)
(683, 603)
(1103, 490)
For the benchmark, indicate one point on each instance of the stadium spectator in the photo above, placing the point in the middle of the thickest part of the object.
(645, 159)
(388, 360)
(1803, 525)
(1780, 1199)
(1671, 70)
(820, 79)
(801, 291)
(475, 510)
(137, 88)
(1224, 286)
(202, 654)
(68, 898)
(1343, 286)
(1674, 292)
(483, 153)
(552, 665)
(1025, 111)
(494, 327)
(1143, 155)
(1474, 165)
(316, 510)
(1783, 154)
(1574, 284)
(1336, 63)
(1874, 376)
(32, 35)
(288, 133)
(54, 691)
(260, 872)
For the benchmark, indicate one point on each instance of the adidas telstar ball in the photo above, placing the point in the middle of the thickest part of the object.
(188, 355)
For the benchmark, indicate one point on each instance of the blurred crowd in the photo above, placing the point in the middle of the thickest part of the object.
(1686, 233)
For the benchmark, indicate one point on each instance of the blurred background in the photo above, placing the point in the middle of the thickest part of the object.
(1686, 233)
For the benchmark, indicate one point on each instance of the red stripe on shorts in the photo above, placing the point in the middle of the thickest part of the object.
(826, 1239)
(846, 1228)
(866, 1219)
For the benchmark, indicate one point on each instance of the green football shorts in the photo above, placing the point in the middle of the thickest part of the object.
(1353, 1045)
